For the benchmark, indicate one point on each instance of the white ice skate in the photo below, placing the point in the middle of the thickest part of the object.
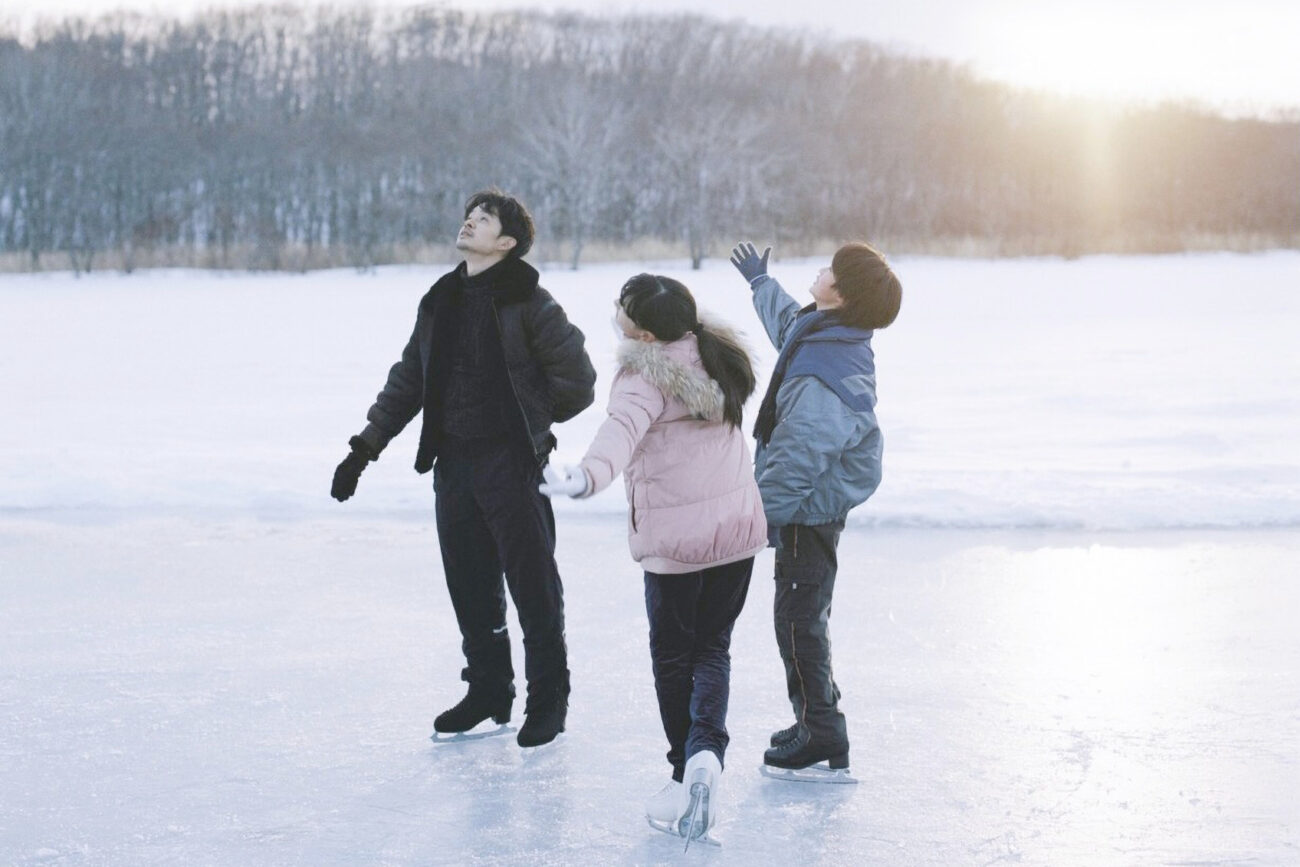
(661, 809)
(697, 800)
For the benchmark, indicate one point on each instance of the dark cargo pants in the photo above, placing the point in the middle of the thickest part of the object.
(494, 524)
(806, 564)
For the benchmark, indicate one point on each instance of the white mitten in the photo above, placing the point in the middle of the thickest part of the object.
(567, 479)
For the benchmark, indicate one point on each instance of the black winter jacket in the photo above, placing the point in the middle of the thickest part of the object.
(551, 376)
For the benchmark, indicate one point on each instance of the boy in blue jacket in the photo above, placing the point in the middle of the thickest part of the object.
(817, 456)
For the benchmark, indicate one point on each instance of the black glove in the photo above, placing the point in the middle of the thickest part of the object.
(345, 477)
(747, 261)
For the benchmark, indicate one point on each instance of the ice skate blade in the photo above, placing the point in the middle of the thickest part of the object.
(820, 773)
(695, 824)
(670, 828)
(471, 735)
(542, 749)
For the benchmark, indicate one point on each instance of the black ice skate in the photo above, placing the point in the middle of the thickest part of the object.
(456, 724)
(543, 723)
(802, 759)
(784, 736)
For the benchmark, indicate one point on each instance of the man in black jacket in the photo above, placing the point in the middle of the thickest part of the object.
(492, 363)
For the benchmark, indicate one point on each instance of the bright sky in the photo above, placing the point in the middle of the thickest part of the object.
(1242, 56)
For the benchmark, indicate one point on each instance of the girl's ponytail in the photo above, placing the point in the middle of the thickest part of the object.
(728, 364)
(665, 307)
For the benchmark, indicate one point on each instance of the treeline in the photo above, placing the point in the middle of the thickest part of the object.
(280, 137)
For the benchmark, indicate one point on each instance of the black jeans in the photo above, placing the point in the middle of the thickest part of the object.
(493, 522)
(806, 563)
(691, 616)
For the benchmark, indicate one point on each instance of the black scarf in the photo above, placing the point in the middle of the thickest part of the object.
(810, 322)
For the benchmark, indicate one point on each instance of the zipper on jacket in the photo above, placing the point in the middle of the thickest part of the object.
(501, 339)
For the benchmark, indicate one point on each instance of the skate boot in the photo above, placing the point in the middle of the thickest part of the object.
(476, 706)
(784, 736)
(543, 720)
(661, 809)
(697, 800)
(802, 751)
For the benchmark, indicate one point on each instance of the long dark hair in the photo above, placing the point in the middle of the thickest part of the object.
(666, 308)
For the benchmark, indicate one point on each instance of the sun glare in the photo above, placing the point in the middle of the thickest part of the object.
(1142, 51)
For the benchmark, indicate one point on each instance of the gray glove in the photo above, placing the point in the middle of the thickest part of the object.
(747, 261)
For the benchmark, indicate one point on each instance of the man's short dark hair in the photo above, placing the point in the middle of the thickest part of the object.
(871, 292)
(515, 219)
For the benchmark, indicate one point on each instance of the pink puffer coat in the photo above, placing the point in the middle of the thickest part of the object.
(692, 499)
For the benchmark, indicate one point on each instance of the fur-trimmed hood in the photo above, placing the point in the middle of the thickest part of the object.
(675, 369)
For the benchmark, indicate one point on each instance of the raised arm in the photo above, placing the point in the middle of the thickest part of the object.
(775, 308)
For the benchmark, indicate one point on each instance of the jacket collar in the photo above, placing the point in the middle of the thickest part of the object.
(512, 280)
(821, 325)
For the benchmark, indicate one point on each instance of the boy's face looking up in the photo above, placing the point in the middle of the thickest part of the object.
(824, 292)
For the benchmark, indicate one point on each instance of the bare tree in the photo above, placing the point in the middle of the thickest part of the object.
(574, 144)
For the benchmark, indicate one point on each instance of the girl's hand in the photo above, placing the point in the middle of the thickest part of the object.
(567, 479)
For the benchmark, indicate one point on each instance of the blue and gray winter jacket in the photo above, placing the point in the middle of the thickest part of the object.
(823, 455)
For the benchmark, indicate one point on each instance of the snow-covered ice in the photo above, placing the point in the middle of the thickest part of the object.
(261, 692)
(1065, 628)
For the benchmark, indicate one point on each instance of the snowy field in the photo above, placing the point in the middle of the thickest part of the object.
(1065, 627)
(1105, 393)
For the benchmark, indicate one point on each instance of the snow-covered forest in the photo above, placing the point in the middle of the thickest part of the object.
(281, 138)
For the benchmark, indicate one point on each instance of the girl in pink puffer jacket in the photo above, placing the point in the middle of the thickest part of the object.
(695, 519)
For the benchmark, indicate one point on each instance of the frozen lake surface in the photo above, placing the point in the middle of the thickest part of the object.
(1064, 628)
(254, 692)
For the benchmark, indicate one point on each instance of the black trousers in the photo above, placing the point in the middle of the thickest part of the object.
(806, 564)
(691, 617)
(493, 524)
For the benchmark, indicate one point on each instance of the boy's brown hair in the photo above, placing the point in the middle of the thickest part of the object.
(871, 291)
